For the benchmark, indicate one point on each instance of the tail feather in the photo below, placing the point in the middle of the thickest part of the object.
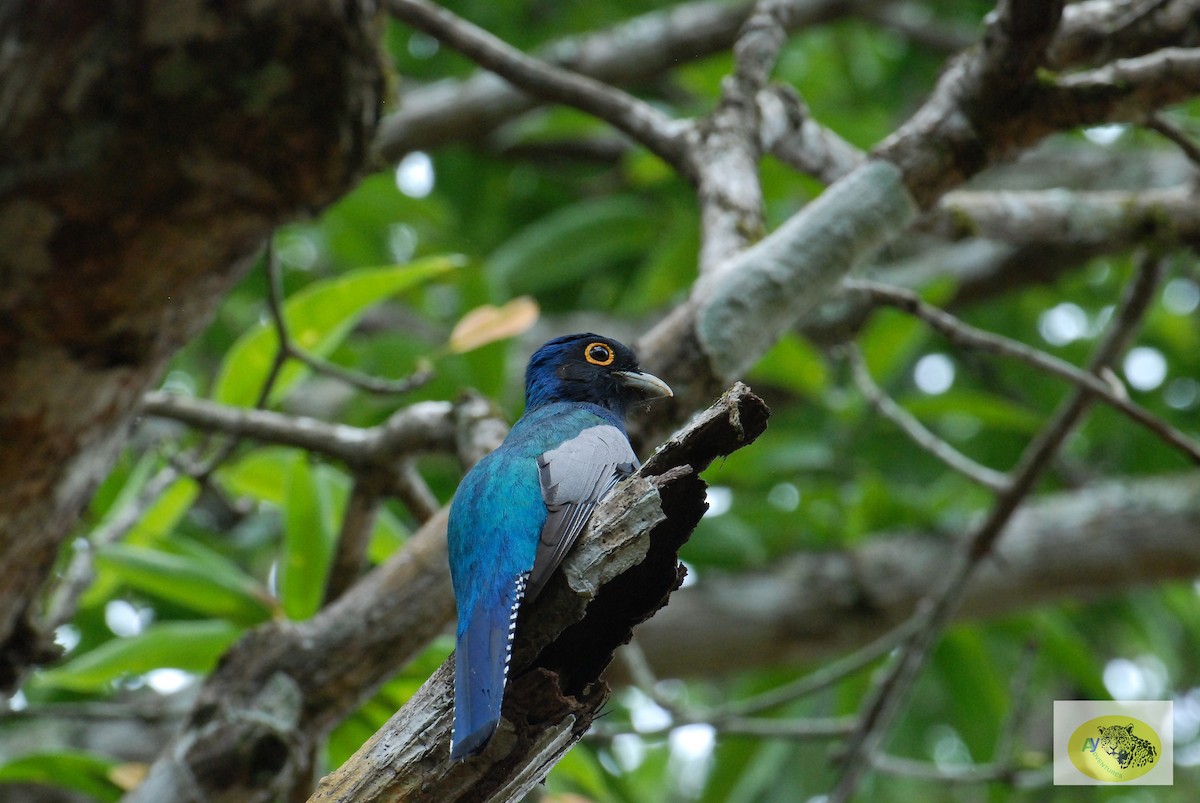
(481, 662)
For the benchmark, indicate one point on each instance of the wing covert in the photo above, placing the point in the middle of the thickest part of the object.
(574, 477)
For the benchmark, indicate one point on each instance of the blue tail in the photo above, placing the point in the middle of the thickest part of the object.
(481, 668)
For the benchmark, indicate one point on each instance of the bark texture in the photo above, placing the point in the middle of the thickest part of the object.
(146, 150)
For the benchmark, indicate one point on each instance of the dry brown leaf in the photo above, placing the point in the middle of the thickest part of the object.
(488, 323)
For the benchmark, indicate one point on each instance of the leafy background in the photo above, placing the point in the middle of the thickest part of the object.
(379, 282)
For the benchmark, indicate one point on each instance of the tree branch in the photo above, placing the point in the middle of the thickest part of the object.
(1111, 221)
(350, 553)
(916, 431)
(424, 426)
(1097, 31)
(634, 51)
(727, 143)
(978, 110)
(1121, 91)
(1156, 122)
(745, 307)
(790, 134)
(639, 120)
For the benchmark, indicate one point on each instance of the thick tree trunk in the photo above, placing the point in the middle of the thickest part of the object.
(147, 149)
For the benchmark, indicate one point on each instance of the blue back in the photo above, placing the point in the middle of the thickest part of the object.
(497, 513)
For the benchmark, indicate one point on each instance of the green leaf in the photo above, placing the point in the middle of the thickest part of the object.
(579, 774)
(752, 768)
(308, 540)
(569, 244)
(155, 524)
(135, 480)
(890, 343)
(68, 769)
(793, 363)
(387, 536)
(264, 474)
(1068, 651)
(995, 413)
(319, 318)
(162, 517)
(969, 678)
(190, 646)
(261, 474)
(205, 581)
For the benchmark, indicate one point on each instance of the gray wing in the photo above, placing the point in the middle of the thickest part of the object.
(574, 477)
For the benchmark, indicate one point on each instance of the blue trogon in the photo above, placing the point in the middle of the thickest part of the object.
(519, 510)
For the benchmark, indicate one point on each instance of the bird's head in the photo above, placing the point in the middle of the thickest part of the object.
(589, 368)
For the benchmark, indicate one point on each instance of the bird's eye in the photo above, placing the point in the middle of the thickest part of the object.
(599, 354)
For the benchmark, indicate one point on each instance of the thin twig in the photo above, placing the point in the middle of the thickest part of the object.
(791, 134)
(358, 522)
(639, 668)
(1018, 689)
(1016, 777)
(414, 493)
(371, 384)
(824, 677)
(421, 427)
(1156, 122)
(1124, 90)
(794, 728)
(800, 728)
(962, 334)
(638, 119)
(645, 680)
(914, 24)
(916, 431)
(732, 719)
(635, 51)
(201, 470)
(78, 575)
(888, 697)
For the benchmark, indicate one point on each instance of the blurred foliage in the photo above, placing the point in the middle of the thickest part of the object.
(380, 281)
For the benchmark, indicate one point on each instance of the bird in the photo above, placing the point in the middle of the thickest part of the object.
(518, 511)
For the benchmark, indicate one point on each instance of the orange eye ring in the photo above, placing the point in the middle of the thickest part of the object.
(599, 353)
